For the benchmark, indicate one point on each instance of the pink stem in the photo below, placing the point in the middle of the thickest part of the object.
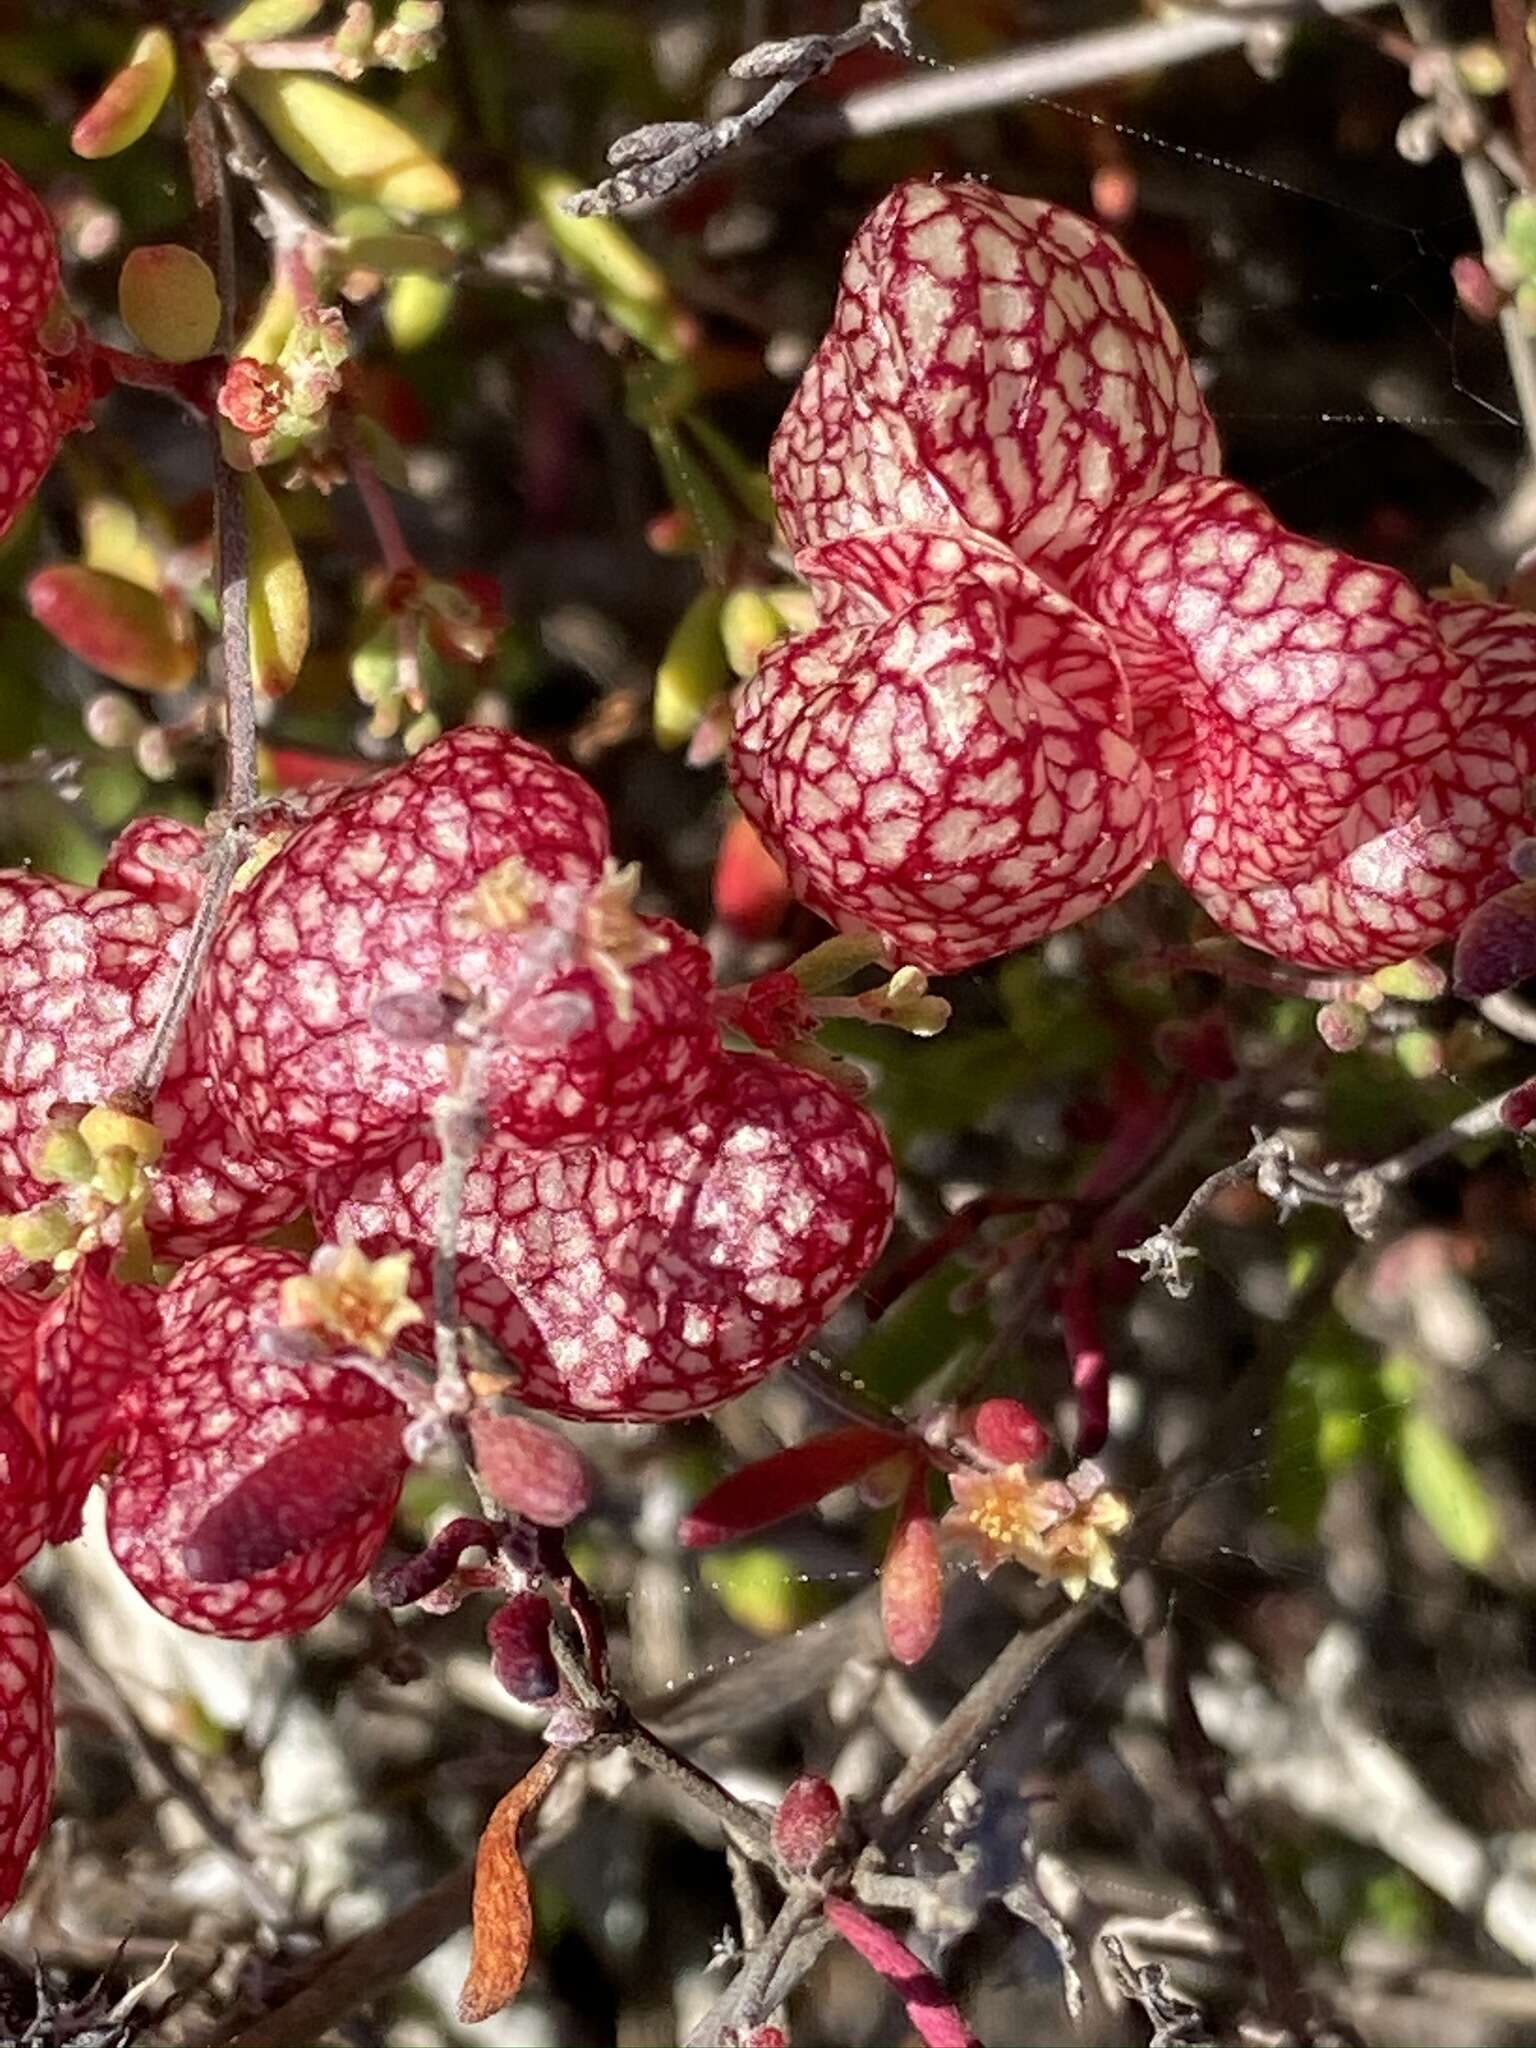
(1085, 1353)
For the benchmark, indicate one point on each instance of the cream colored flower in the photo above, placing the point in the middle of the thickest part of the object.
(1061, 1530)
(360, 1304)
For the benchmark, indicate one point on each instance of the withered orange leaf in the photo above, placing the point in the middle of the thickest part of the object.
(503, 1918)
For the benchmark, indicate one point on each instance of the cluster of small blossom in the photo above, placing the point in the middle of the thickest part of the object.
(1004, 1507)
(441, 960)
(1057, 645)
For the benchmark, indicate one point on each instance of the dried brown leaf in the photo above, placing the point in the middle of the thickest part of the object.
(503, 1919)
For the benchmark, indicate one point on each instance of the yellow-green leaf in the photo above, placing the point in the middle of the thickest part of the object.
(279, 594)
(1444, 1486)
(169, 300)
(132, 97)
(347, 144)
(416, 308)
(692, 672)
(259, 20)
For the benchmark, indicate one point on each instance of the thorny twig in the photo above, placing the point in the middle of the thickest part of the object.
(652, 162)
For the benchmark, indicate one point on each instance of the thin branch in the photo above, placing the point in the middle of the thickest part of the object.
(1181, 38)
(350, 1977)
(232, 575)
(653, 162)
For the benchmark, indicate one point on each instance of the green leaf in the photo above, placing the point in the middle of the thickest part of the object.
(1444, 1486)
(1328, 1418)
(917, 1337)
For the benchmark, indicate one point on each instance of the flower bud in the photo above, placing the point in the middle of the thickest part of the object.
(132, 97)
(1411, 981)
(530, 1468)
(1008, 1431)
(1343, 1026)
(169, 300)
(806, 1824)
(521, 1658)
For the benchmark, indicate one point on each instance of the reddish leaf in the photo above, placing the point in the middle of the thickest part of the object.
(784, 1484)
(929, 2006)
(911, 1578)
(530, 1469)
(503, 1921)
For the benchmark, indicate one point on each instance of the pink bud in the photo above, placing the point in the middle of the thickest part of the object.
(806, 1824)
(520, 1654)
(530, 1469)
(911, 1579)
(1008, 1431)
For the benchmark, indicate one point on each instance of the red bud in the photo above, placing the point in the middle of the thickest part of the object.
(521, 1658)
(530, 1469)
(911, 1579)
(806, 1824)
(1008, 1431)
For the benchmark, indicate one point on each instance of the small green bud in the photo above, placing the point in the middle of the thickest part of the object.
(692, 672)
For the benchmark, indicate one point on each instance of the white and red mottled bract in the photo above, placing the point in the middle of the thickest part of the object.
(159, 860)
(662, 1272)
(23, 1489)
(215, 1405)
(68, 1361)
(30, 428)
(84, 976)
(29, 258)
(26, 1737)
(944, 762)
(374, 900)
(1291, 698)
(993, 362)
(1411, 887)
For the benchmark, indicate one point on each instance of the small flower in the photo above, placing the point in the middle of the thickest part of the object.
(360, 1303)
(1058, 1529)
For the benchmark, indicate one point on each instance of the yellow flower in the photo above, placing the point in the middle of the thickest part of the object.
(1061, 1530)
(360, 1304)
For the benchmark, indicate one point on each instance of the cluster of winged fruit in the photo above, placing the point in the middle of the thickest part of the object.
(650, 1222)
(1056, 645)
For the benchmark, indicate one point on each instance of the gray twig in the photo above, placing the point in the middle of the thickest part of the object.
(652, 162)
